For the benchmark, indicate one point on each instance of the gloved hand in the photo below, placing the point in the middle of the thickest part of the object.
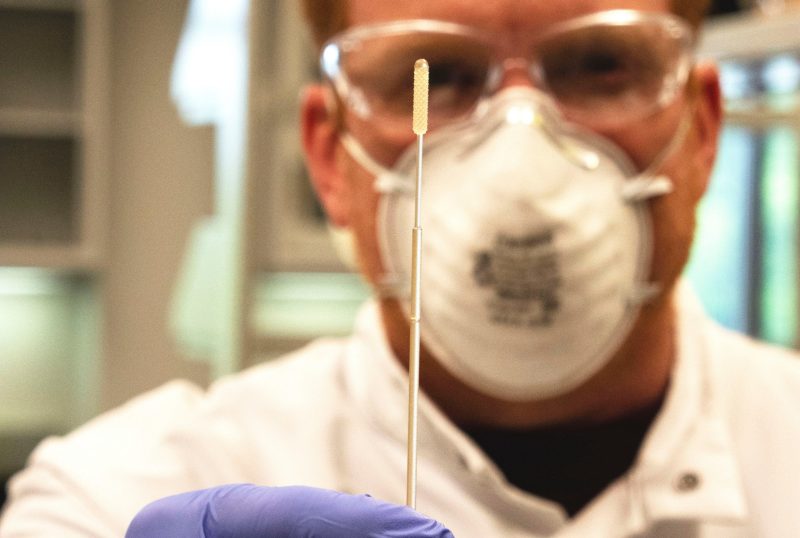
(247, 511)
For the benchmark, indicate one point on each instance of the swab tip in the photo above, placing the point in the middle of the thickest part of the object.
(420, 118)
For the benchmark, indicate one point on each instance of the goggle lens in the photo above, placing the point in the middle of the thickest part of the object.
(377, 74)
(610, 73)
(597, 72)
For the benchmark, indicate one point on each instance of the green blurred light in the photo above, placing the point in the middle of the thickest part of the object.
(779, 207)
(307, 305)
(722, 242)
(23, 281)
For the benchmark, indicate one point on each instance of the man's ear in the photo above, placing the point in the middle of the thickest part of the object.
(708, 115)
(320, 137)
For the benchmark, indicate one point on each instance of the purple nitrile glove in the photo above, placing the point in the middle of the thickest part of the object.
(248, 511)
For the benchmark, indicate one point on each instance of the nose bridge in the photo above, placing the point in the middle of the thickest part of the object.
(514, 71)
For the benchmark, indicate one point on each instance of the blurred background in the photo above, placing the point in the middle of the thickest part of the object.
(156, 220)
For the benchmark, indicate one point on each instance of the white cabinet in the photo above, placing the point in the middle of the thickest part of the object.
(53, 137)
(52, 133)
(298, 287)
(290, 232)
(100, 185)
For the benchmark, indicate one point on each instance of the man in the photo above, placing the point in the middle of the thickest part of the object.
(572, 385)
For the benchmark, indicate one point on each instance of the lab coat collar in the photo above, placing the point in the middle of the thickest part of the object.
(380, 388)
(686, 469)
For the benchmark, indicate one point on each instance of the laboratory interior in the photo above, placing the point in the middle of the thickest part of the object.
(157, 222)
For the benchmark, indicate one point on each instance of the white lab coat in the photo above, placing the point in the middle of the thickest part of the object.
(721, 460)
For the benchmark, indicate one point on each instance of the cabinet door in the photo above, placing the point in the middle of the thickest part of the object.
(52, 136)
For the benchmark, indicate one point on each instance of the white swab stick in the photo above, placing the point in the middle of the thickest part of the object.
(420, 127)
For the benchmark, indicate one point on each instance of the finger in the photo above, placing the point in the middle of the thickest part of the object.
(244, 510)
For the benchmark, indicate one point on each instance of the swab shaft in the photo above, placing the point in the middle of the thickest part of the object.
(413, 359)
(420, 126)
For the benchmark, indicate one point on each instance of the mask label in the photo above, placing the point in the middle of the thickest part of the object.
(524, 274)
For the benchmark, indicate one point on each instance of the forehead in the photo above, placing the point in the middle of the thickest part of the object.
(498, 15)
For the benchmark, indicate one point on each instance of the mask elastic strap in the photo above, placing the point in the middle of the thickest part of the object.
(391, 286)
(386, 181)
(648, 184)
(642, 188)
(642, 293)
(360, 155)
(674, 144)
(677, 140)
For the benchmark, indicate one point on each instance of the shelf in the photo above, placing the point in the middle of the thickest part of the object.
(39, 123)
(37, 381)
(15, 447)
(291, 309)
(49, 5)
(43, 389)
(22, 422)
(72, 257)
(763, 116)
(39, 58)
(52, 135)
(306, 305)
(751, 35)
(39, 191)
(54, 60)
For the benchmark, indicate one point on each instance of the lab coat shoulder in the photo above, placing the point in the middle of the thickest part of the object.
(758, 386)
(274, 424)
(757, 379)
(255, 426)
(71, 486)
(290, 384)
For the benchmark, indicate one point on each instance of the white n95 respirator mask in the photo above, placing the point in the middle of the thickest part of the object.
(536, 246)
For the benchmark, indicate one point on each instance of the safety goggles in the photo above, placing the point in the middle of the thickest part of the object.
(601, 70)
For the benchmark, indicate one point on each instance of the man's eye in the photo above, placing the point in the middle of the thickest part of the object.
(454, 88)
(454, 76)
(599, 64)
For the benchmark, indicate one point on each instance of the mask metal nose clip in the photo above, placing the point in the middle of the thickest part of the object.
(546, 117)
(581, 157)
(523, 106)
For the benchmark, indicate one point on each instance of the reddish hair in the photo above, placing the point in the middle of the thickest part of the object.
(327, 18)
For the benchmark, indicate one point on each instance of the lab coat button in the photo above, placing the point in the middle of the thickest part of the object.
(688, 481)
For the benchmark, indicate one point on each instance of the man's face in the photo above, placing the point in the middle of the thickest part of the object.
(353, 200)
